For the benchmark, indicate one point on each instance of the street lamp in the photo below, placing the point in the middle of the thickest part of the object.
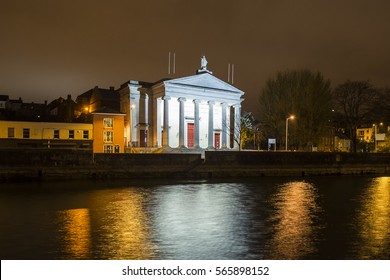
(289, 118)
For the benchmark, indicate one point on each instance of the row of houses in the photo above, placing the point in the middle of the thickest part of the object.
(195, 112)
(103, 134)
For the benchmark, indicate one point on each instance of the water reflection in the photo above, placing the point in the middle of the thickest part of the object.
(76, 231)
(121, 225)
(267, 218)
(201, 221)
(294, 229)
(374, 221)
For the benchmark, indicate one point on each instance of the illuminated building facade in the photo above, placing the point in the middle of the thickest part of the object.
(108, 132)
(27, 134)
(196, 112)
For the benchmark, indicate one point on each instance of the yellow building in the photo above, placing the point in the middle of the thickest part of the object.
(108, 132)
(45, 134)
(365, 134)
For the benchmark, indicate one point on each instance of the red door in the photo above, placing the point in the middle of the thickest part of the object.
(190, 135)
(217, 140)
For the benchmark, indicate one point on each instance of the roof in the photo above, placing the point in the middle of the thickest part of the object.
(4, 97)
(205, 80)
(108, 111)
(134, 82)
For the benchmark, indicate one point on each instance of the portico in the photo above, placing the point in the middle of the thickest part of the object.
(195, 112)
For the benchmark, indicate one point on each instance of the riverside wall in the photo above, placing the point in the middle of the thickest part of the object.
(52, 164)
(240, 164)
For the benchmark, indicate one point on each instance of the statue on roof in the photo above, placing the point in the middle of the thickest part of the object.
(203, 63)
(203, 66)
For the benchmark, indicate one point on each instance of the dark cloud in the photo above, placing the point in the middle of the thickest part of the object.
(53, 48)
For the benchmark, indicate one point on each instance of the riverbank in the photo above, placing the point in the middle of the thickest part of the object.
(25, 165)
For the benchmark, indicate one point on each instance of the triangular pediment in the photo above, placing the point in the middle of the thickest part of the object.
(204, 80)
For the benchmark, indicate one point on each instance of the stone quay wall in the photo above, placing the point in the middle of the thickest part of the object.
(240, 164)
(60, 164)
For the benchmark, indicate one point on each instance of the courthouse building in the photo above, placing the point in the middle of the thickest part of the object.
(199, 111)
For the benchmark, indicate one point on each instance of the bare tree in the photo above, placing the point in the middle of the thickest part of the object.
(355, 101)
(382, 106)
(242, 131)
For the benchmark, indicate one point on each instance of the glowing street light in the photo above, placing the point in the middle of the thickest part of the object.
(289, 118)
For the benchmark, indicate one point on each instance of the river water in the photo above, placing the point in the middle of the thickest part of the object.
(262, 218)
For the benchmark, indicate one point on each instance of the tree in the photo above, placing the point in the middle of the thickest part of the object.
(242, 133)
(382, 106)
(306, 95)
(355, 101)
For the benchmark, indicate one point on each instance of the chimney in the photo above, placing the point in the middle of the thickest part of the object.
(69, 97)
(112, 88)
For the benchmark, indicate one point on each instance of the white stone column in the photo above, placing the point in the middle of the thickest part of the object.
(196, 123)
(142, 108)
(181, 122)
(133, 122)
(211, 125)
(237, 124)
(224, 126)
(166, 121)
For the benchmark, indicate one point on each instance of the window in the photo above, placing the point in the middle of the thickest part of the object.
(108, 136)
(361, 132)
(71, 134)
(108, 123)
(56, 134)
(117, 148)
(26, 133)
(86, 134)
(108, 149)
(11, 132)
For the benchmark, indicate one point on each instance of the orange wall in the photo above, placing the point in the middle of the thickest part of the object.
(98, 132)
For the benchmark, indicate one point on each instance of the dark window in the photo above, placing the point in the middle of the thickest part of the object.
(108, 149)
(86, 134)
(56, 134)
(71, 134)
(108, 136)
(26, 133)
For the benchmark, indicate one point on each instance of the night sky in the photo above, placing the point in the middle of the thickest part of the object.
(53, 48)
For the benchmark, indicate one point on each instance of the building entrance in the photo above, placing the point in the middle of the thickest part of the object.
(217, 140)
(190, 135)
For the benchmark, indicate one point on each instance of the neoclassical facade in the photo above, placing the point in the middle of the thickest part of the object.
(199, 111)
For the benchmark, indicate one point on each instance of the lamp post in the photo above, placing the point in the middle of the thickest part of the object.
(289, 118)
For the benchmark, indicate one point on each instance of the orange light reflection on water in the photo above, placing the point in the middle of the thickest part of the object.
(123, 229)
(295, 208)
(374, 220)
(76, 229)
(115, 227)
